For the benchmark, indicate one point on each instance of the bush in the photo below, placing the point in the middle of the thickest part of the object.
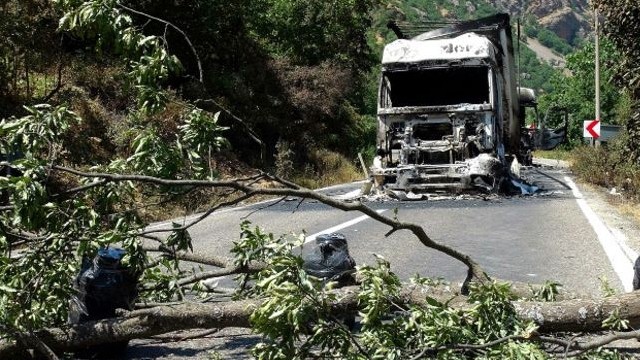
(592, 164)
(608, 166)
(553, 41)
(531, 31)
(328, 168)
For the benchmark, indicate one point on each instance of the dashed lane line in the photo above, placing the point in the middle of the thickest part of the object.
(341, 226)
(195, 216)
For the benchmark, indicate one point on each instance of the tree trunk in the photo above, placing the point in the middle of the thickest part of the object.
(567, 315)
(139, 324)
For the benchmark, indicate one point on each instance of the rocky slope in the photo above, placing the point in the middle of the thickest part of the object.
(569, 19)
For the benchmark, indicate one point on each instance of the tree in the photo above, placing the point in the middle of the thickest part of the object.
(21, 69)
(54, 212)
(313, 32)
(622, 26)
(576, 91)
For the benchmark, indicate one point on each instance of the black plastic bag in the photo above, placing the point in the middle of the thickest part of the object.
(103, 285)
(329, 259)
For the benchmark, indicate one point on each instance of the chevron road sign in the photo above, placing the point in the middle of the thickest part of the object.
(591, 129)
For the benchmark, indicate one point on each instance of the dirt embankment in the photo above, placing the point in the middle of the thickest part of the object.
(545, 53)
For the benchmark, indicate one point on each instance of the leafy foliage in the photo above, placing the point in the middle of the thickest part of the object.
(148, 58)
(312, 32)
(553, 41)
(296, 322)
(622, 27)
(37, 281)
(576, 92)
(608, 167)
(53, 225)
(547, 292)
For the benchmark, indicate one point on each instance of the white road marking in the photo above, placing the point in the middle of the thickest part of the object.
(341, 226)
(190, 218)
(620, 255)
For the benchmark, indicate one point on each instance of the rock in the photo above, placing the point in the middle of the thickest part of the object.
(567, 18)
(564, 23)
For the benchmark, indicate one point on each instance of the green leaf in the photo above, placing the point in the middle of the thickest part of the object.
(7, 289)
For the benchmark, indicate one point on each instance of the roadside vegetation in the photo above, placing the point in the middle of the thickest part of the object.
(555, 154)
(607, 167)
(616, 164)
(112, 110)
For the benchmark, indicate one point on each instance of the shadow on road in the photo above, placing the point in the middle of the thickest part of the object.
(558, 181)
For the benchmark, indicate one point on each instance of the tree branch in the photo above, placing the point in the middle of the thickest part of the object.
(252, 134)
(580, 348)
(32, 340)
(475, 270)
(174, 27)
(81, 188)
(551, 316)
(470, 347)
(203, 216)
(191, 257)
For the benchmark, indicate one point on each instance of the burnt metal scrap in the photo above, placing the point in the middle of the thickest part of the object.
(483, 174)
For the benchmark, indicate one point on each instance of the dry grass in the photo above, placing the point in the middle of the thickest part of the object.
(631, 209)
(328, 168)
(556, 154)
(608, 168)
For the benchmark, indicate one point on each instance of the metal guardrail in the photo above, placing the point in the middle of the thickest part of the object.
(608, 132)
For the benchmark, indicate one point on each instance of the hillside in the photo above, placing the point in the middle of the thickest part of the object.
(569, 19)
(545, 53)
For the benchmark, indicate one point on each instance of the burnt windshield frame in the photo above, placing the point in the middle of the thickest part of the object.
(436, 86)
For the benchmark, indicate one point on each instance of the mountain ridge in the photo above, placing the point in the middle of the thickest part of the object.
(569, 19)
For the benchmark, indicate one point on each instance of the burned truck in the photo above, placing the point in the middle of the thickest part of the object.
(449, 112)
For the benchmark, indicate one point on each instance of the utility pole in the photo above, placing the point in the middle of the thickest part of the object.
(593, 141)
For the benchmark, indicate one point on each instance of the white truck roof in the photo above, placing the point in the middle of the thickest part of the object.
(465, 46)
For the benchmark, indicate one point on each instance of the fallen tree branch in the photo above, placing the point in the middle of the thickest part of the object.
(430, 352)
(475, 271)
(139, 324)
(210, 260)
(201, 217)
(80, 189)
(581, 348)
(570, 315)
(178, 338)
(32, 340)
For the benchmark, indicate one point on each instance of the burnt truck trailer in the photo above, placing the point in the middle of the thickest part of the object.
(449, 109)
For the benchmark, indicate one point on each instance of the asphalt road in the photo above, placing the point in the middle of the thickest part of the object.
(523, 238)
(553, 235)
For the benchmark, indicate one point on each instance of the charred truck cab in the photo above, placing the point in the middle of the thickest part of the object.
(448, 111)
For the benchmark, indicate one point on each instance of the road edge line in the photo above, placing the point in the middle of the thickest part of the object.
(618, 258)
